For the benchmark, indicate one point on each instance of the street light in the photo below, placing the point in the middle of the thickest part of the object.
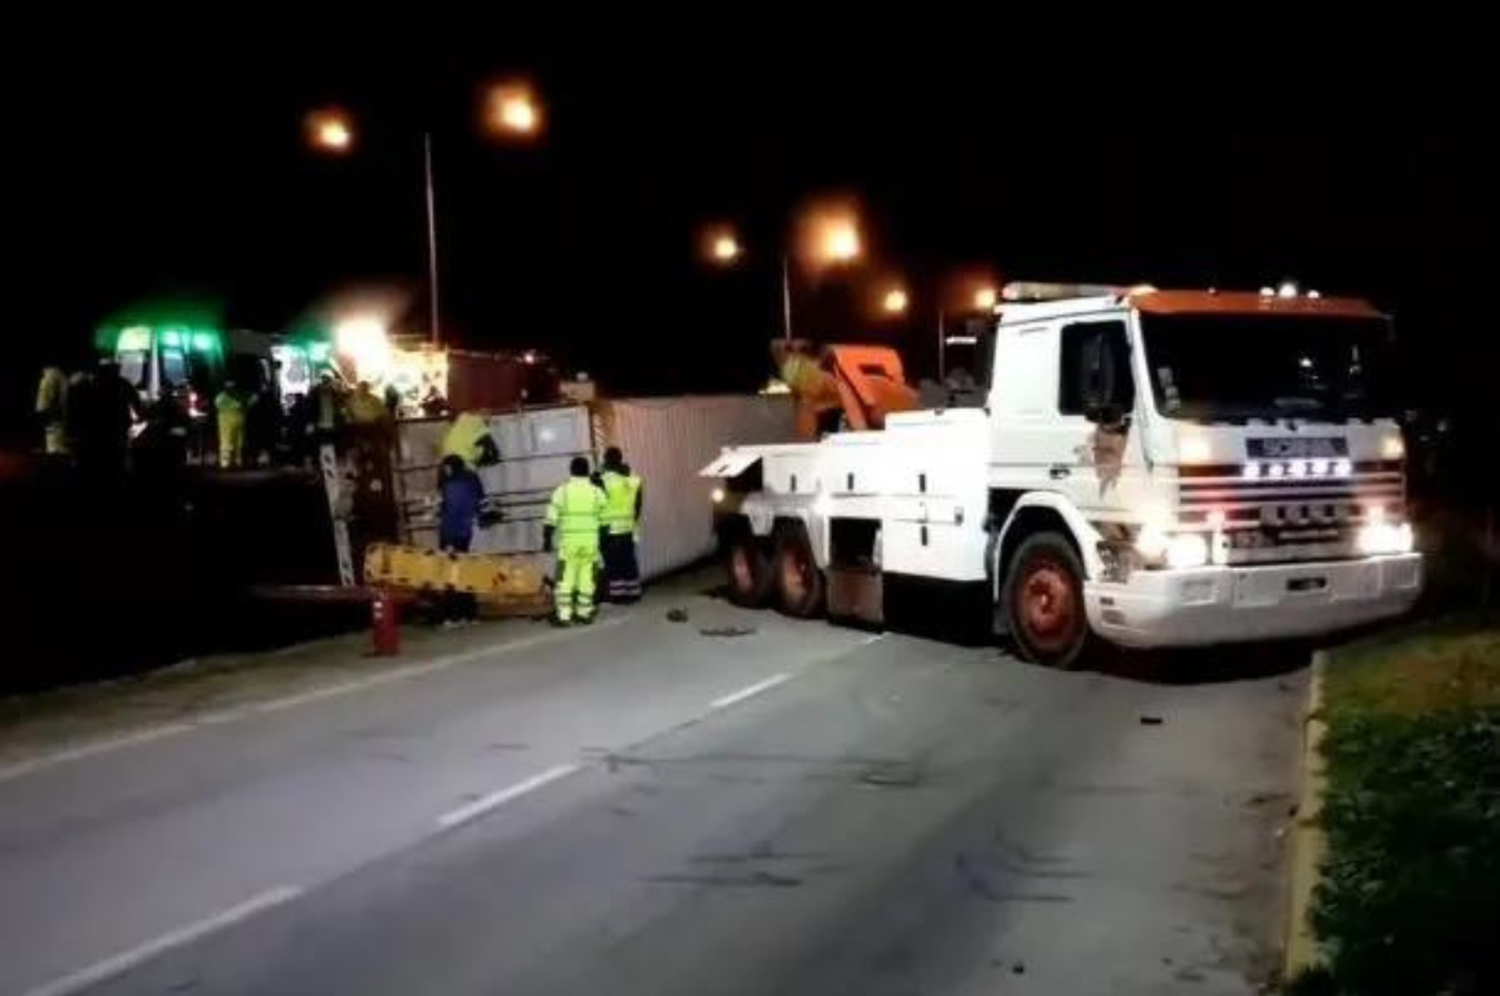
(723, 247)
(825, 235)
(837, 239)
(895, 301)
(330, 130)
(512, 110)
(985, 298)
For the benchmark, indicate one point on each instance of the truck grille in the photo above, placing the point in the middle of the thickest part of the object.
(1289, 518)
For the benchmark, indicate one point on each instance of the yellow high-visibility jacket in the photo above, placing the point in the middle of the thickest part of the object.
(622, 501)
(577, 513)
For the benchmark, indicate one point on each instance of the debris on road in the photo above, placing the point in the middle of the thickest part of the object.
(677, 615)
(727, 631)
(1151, 720)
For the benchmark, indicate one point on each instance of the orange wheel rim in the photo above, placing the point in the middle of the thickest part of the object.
(1048, 606)
(740, 570)
(794, 580)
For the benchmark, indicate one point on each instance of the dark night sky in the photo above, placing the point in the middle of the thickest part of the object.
(151, 166)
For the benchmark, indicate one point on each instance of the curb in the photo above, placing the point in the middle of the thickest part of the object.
(1307, 843)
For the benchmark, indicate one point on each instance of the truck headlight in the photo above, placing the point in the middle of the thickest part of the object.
(1377, 538)
(1174, 550)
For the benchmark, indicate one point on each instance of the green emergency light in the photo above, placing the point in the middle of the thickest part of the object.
(136, 337)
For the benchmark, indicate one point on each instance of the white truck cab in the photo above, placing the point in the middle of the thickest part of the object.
(1151, 468)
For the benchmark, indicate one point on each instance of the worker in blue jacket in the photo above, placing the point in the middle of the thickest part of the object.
(460, 495)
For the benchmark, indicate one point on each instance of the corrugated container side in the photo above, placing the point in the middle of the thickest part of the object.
(535, 447)
(667, 441)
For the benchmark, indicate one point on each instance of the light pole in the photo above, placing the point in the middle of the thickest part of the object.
(432, 252)
(825, 238)
(511, 112)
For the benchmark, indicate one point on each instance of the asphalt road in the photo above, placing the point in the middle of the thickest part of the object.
(642, 808)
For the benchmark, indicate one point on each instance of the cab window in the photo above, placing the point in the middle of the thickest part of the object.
(1095, 358)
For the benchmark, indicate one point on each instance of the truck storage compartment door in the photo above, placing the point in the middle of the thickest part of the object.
(730, 463)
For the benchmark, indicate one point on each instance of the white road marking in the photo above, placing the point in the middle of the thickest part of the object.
(220, 717)
(477, 808)
(123, 962)
(91, 749)
(724, 702)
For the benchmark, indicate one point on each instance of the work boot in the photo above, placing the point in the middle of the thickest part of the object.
(558, 622)
(585, 620)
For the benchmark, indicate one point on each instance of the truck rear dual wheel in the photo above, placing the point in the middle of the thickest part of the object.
(799, 583)
(747, 570)
(1043, 601)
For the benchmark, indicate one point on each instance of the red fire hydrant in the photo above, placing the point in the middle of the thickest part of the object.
(385, 624)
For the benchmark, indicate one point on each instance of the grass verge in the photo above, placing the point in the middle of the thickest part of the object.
(1410, 889)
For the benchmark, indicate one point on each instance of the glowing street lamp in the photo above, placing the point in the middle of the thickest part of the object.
(724, 248)
(895, 301)
(839, 242)
(330, 130)
(512, 109)
(985, 298)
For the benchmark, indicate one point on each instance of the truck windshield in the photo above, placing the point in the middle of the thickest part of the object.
(1237, 367)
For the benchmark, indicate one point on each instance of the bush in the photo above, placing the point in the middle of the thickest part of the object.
(1410, 898)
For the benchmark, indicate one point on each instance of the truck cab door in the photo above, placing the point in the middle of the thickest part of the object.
(1096, 405)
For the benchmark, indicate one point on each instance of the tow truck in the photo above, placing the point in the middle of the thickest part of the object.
(1140, 467)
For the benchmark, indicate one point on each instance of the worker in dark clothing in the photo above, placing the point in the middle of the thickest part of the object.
(326, 416)
(114, 407)
(161, 450)
(624, 498)
(460, 494)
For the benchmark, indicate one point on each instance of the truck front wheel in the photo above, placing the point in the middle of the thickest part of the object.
(1043, 601)
(799, 582)
(747, 571)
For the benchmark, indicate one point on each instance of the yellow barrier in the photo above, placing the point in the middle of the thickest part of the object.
(492, 578)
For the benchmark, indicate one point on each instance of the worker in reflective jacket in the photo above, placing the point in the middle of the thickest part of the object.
(230, 411)
(622, 523)
(575, 519)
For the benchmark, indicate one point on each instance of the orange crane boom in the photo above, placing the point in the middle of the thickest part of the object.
(861, 383)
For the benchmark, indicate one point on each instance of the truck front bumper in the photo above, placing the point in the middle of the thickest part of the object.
(1234, 604)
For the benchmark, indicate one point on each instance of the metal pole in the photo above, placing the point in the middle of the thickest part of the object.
(786, 297)
(941, 344)
(432, 253)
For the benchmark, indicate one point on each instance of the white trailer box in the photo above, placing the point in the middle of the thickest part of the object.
(665, 440)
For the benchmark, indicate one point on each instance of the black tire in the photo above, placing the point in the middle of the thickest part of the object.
(800, 586)
(1043, 601)
(747, 570)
